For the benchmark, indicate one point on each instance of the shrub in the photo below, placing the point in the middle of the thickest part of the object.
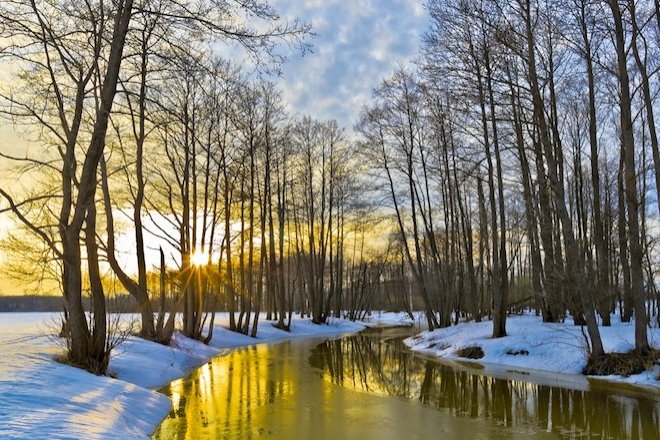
(473, 352)
(622, 364)
(517, 352)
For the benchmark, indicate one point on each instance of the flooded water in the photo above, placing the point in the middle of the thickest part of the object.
(369, 386)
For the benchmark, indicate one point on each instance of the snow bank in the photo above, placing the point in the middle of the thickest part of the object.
(300, 328)
(41, 398)
(534, 345)
(40, 395)
(152, 365)
(392, 318)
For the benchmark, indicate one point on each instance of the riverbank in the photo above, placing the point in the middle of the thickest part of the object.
(40, 397)
(534, 345)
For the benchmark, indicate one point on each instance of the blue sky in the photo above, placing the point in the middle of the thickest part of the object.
(358, 43)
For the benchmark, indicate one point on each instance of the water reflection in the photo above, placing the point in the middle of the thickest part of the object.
(365, 363)
(227, 397)
(273, 392)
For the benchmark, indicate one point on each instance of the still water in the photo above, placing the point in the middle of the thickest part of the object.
(369, 386)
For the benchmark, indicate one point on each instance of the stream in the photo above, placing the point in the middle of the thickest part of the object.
(370, 386)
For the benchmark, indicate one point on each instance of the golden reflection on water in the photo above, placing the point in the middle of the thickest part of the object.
(334, 390)
(228, 395)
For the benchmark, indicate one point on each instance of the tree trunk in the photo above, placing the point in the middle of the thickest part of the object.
(630, 181)
(576, 272)
(646, 94)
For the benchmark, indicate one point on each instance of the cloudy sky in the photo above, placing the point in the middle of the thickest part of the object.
(358, 43)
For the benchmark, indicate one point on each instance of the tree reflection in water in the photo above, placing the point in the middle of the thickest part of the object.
(367, 362)
(226, 398)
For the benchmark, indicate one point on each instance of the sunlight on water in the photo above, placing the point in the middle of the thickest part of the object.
(368, 386)
(228, 395)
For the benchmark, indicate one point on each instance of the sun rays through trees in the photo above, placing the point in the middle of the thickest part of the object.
(513, 165)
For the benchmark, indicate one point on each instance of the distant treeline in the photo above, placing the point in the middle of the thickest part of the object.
(388, 297)
(38, 303)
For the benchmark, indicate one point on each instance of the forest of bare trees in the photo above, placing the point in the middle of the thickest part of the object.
(515, 164)
(519, 161)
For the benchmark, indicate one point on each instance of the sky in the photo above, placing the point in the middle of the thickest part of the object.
(357, 43)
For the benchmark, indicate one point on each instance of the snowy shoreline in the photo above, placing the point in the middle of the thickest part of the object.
(534, 346)
(57, 401)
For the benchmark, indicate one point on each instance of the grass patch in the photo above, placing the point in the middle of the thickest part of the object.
(438, 345)
(622, 364)
(517, 352)
(473, 352)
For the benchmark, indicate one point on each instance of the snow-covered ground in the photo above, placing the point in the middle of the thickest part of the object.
(556, 347)
(40, 395)
(391, 318)
(43, 398)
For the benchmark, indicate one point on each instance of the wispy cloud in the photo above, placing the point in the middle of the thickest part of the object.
(359, 42)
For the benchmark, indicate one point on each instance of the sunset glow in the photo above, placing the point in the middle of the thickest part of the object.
(368, 219)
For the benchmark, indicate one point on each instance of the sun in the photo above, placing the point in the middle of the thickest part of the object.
(199, 258)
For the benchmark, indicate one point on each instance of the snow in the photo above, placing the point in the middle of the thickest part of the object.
(300, 328)
(152, 365)
(38, 394)
(392, 318)
(551, 347)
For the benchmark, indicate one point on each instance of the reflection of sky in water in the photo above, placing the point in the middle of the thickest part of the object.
(336, 389)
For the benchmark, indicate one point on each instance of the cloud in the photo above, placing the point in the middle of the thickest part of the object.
(359, 42)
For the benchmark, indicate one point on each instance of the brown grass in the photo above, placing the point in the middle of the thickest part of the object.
(517, 352)
(622, 364)
(438, 345)
(473, 352)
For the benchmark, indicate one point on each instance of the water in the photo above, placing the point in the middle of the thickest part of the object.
(369, 386)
